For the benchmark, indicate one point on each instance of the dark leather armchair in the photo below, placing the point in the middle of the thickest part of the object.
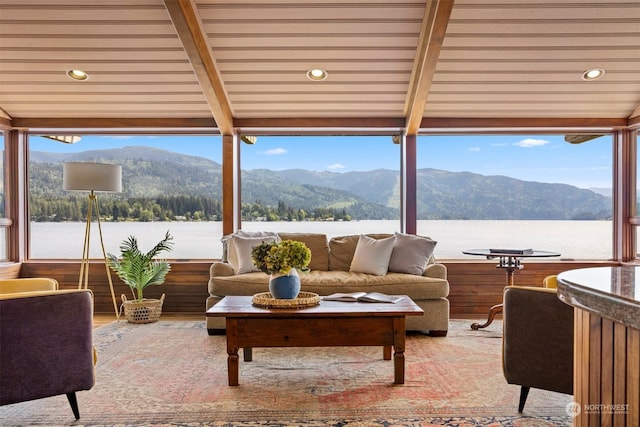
(46, 345)
(537, 341)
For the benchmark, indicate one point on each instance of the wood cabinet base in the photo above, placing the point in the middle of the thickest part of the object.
(606, 372)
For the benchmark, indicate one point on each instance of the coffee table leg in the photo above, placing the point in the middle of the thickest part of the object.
(386, 352)
(248, 354)
(232, 352)
(398, 347)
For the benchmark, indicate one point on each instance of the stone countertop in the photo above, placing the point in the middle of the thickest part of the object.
(609, 292)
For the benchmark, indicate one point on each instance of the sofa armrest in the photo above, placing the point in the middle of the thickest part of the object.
(221, 269)
(437, 271)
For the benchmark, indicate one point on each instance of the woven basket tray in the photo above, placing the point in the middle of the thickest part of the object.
(145, 311)
(304, 299)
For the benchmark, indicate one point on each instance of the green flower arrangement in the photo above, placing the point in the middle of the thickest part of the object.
(272, 257)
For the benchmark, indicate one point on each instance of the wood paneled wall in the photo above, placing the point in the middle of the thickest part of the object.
(185, 286)
(474, 286)
(10, 271)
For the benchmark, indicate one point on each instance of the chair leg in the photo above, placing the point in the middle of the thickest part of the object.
(524, 392)
(71, 397)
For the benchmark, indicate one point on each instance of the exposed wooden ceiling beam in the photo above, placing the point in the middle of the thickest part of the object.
(635, 113)
(434, 27)
(4, 114)
(194, 40)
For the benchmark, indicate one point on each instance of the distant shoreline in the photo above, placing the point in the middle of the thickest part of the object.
(584, 240)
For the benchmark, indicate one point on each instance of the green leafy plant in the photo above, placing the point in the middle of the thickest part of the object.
(139, 270)
(271, 257)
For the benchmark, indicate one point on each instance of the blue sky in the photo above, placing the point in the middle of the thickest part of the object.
(543, 158)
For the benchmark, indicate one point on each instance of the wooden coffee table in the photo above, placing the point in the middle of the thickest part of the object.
(328, 324)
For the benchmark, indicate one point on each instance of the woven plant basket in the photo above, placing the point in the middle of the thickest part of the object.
(145, 311)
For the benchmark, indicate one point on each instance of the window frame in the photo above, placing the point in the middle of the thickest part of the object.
(6, 222)
(16, 154)
(99, 133)
(622, 236)
(387, 137)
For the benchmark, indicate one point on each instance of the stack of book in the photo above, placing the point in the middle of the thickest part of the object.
(512, 251)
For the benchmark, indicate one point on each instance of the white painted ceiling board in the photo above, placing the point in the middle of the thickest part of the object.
(499, 59)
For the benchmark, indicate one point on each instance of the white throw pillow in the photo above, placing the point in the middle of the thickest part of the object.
(242, 262)
(411, 254)
(372, 256)
(229, 251)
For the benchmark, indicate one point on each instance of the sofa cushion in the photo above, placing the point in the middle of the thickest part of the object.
(342, 249)
(242, 247)
(411, 253)
(372, 255)
(317, 244)
(329, 282)
(227, 249)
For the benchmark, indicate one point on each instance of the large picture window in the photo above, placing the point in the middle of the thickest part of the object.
(515, 191)
(335, 185)
(169, 182)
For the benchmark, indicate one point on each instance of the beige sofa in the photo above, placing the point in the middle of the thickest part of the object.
(329, 273)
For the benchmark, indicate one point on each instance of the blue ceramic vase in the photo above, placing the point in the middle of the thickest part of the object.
(284, 286)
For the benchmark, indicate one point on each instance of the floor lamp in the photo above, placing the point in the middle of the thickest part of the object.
(93, 177)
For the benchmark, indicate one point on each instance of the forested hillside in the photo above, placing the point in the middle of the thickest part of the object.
(162, 185)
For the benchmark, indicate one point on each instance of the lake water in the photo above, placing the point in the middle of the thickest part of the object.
(201, 240)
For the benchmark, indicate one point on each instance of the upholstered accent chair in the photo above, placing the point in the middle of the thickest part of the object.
(28, 284)
(550, 281)
(537, 341)
(46, 343)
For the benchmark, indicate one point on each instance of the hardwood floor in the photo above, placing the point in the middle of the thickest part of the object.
(101, 319)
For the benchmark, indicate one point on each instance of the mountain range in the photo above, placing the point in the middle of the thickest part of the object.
(375, 194)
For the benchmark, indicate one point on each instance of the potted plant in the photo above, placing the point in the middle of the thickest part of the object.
(282, 260)
(139, 270)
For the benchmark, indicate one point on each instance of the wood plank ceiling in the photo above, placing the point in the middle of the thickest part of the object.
(245, 61)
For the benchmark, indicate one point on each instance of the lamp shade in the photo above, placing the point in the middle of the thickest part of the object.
(78, 176)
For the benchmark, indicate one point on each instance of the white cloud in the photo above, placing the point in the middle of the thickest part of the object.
(275, 152)
(336, 166)
(474, 148)
(530, 142)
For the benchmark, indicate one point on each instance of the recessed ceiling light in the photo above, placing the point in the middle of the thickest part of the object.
(317, 74)
(593, 74)
(77, 75)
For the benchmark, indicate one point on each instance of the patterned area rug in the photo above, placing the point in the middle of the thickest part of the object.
(172, 373)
